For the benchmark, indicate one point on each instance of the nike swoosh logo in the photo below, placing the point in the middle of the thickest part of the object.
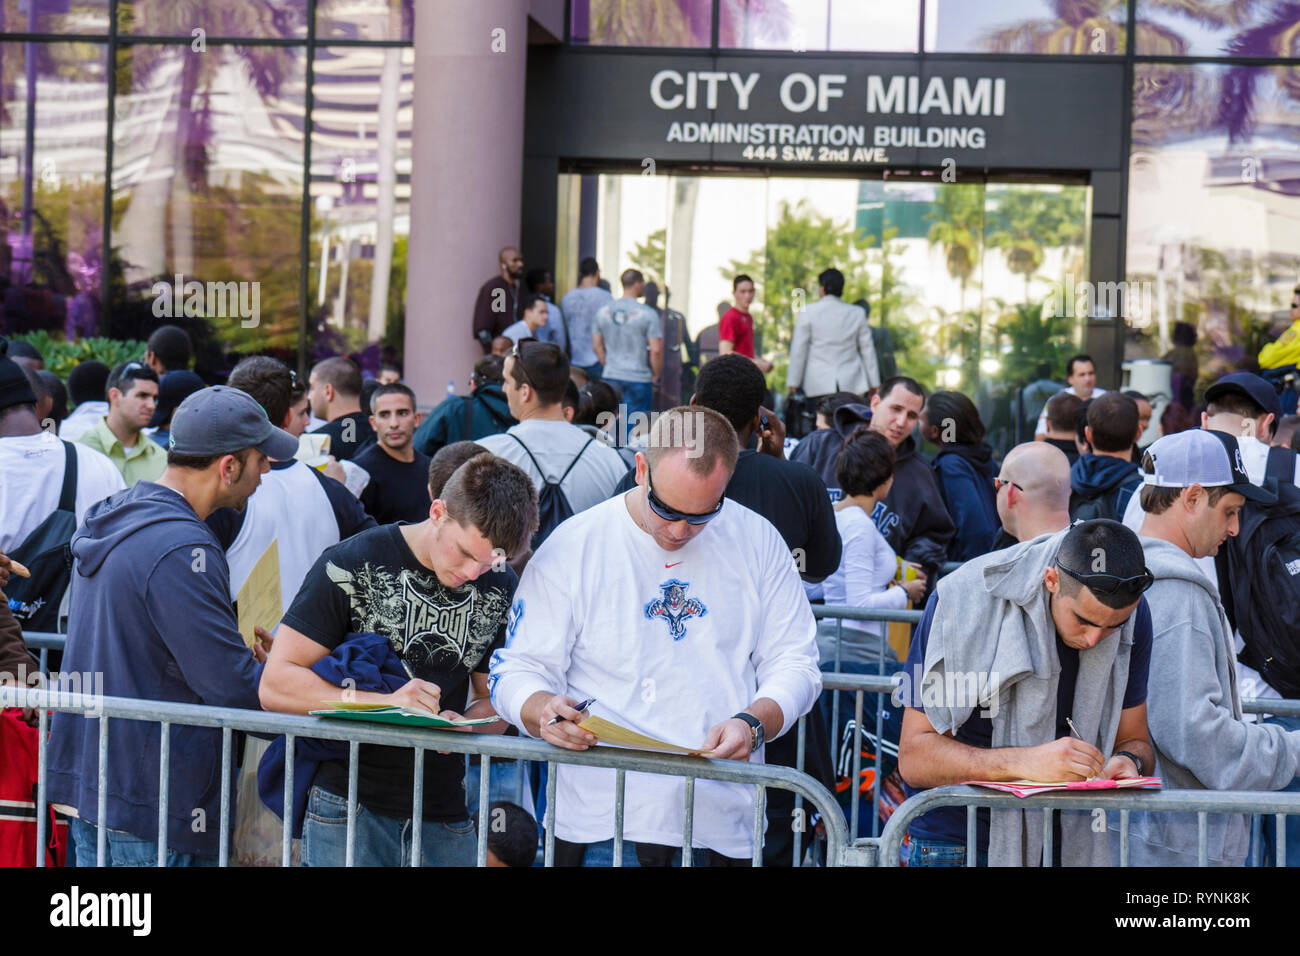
(673, 565)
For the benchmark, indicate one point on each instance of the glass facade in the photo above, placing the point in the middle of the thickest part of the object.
(195, 171)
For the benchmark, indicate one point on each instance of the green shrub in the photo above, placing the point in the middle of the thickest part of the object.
(62, 357)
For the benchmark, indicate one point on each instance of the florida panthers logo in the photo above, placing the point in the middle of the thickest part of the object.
(675, 607)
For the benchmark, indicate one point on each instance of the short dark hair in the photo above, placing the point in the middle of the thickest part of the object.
(832, 280)
(588, 267)
(1062, 409)
(596, 399)
(514, 841)
(1113, 418)
(1081, 422)
(1156, 500)
(20, 348)
(395, 388)
(447, 459)
(572, 399)
(88, 382)
(1135, 395)
(735, 283)
(865, 462)
(489, 370)
(961, 411)
(545, 367)
(269, 381)
(1117, 544)
(126, 374)
(53, 386)
(529, 301)
(911, 384)
(630, 277)
(201, 462)
(1081, 357)
(1235, 403)
(340, 372)
(827, 405)
(170, 345)
(495, 497)
(733, 386)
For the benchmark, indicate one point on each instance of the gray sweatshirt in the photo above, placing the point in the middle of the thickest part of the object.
(1194, 716)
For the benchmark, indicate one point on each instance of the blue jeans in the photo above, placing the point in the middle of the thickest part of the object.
(379, 841)
(1268, 833)
(940, 853)
(509, 784)
(124, 849)
(594, 370)
(637, 396)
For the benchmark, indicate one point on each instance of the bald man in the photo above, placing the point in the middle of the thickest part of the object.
(1033, 493)
(497, 306)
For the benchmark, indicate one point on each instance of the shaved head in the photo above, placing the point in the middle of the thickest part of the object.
(1042, 470)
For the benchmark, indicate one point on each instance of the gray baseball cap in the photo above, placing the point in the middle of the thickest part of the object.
(221, 421)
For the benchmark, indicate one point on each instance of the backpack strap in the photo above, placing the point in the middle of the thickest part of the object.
(1280, 464)
(68, 494)
(530, 457)
(539, 467)
(575, 460)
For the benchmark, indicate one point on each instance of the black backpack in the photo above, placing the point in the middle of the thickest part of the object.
(35, 601)
(552, 506)
(1259, 578)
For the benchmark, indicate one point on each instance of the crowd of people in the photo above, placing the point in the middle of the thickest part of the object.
(1093, 605)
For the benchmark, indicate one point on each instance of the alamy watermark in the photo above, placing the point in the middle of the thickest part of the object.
(636, 428)
(1131, 301)
(958, 689)
(212, 300)
(37, 690)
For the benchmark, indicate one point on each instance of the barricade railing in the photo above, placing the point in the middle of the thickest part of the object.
(888, 847)
(484, 746)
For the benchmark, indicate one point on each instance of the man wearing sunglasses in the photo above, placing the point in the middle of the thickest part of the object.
(687, 623)
(1194, 485)
(1028, 663)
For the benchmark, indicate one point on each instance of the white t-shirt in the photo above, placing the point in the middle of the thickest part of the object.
(31, 476)
(1254, 458)
(670, 643)
(1041, 427)
(82, 419)
(554, 444)
(867, 567)
(519, 330)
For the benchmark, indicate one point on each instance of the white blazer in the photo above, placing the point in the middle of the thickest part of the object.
(832, 349)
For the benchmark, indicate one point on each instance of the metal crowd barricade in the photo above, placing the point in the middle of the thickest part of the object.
(486, 746)
(1201, 802)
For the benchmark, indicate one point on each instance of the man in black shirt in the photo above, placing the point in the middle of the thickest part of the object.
(440, 592)
(335, 394)
(399, 475)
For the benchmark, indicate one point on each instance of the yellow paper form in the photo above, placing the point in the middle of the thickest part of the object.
(611, 733)
(259, 598)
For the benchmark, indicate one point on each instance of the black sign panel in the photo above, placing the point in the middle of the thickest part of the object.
(849, 113)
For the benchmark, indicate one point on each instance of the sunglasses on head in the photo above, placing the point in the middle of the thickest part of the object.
(1111, 583)
(517, 353)
(672, 514)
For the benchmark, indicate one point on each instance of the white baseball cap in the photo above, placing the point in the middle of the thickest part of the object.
(1210, 459)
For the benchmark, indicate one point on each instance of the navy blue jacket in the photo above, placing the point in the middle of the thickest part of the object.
(369, 659)
(1098, 476)
(151, 611)
(965, 474)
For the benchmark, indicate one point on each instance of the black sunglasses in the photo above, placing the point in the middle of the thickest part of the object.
(517, 354)
(999, 481)
(1110, 583)
(672, 514)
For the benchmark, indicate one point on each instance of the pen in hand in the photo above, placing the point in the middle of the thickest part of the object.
(580, 707)
(1075, 730)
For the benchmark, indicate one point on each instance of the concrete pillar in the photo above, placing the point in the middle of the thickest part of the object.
(466, 180)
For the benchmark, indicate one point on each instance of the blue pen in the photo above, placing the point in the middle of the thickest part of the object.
(583, 706)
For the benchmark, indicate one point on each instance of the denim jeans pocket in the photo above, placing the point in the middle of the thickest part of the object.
(460, 828)
(931, 853)
(326, 807)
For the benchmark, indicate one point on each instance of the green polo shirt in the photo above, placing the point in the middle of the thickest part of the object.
(144, 462)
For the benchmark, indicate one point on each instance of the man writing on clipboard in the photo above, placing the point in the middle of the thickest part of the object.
(687, 623)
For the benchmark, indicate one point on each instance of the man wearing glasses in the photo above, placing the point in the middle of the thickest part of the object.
(1029, 663)
(1194, 485)
(687, 624)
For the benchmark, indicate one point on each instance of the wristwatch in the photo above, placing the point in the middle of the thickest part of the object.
(756, 732)
(1131, 756)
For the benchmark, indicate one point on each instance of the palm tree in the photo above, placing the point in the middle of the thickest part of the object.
(959, 227)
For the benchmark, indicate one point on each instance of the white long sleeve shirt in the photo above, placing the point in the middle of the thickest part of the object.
(669, 643)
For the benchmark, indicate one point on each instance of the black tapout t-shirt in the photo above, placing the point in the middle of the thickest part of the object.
(397, 490)
(373, 584)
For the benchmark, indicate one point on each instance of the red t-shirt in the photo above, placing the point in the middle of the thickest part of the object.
(737, 327)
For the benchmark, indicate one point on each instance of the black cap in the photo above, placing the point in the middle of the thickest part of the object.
(1252, 386)
(174, 388)
(15, 389)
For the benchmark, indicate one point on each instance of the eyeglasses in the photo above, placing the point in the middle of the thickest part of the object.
(517, 354)
(999, 481)
(1110, 583)
(672, 514)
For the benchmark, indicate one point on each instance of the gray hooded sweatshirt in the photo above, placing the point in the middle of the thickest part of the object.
(994, 629)
(1194, 715)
